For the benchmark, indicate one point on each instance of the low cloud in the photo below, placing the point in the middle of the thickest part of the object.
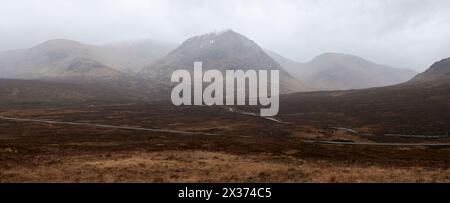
(401, 33)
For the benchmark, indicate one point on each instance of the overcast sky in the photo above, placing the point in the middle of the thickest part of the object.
(400, 33)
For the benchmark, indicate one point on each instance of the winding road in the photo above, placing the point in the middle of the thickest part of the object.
(104, 126)
(256, 115)
(201, 133)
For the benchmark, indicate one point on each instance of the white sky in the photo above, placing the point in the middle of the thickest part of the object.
(401, 33)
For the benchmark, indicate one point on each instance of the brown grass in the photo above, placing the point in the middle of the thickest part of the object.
(203, 166)
(245, 149)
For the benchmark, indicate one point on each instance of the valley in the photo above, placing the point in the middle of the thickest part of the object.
(216, 145)
(71, 112)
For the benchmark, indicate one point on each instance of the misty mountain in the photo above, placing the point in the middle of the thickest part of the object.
(333, 71)
(62, 58)
(73, 62)
(417, 106)
(59, 60)
(221, 51)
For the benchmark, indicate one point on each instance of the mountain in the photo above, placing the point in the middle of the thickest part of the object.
(53, 58)
(69, 61)
(417, 107)
(57, 59)
(333, 71)
(221, 51)
(437, 74)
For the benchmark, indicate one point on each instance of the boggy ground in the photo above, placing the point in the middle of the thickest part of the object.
(242, 149)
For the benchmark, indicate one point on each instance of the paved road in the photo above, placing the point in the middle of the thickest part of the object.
(200, 133)
(257, 115)
(104, 126)
(380, 144)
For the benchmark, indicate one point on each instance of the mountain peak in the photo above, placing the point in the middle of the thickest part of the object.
(222, 51)
(59, 42)
(442, 66)
(331, 56)
(56, 45)
(228, 32)
(334, 54)
(219, 45)
(222, 38)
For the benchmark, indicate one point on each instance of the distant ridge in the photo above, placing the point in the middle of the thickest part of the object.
(417, 107)
(336, 71)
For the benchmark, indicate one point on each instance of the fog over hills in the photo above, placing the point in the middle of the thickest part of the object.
(221, 51)
(417, 106)
(290, 91)
(67, 61)
(118, 65)
(131, 57)
(335, 71)
(65, 71)
(398, 34)
(111, 68)
(59, 57)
